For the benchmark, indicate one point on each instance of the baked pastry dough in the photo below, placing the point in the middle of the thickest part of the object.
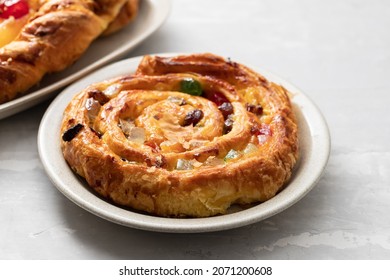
(188, 135)
(53, 35)
(127, 14)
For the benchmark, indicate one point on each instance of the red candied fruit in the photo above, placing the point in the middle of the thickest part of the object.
(13, 8)
(262, 129)
(217, 97)
(222, 103)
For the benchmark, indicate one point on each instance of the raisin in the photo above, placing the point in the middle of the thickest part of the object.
(228, 125)
(193, 117)
(255, 109)
(226, 109)
(99, 96)
(72, 132)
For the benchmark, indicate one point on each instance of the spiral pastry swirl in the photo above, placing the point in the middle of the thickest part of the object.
(189, 135)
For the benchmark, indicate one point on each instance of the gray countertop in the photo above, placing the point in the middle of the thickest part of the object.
(337, 52)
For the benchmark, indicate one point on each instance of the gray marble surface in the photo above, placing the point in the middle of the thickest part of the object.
(336, 51)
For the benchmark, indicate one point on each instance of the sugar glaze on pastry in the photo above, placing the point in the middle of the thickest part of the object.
(189, 135)
(45, 36)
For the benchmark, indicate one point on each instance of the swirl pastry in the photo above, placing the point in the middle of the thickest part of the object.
(189, 135)
(43, 36)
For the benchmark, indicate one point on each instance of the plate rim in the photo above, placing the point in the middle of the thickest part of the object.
(320, 144)
(160, 9)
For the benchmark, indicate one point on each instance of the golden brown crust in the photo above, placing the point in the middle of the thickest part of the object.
(53, 39)
(137, 141)
(126, 15)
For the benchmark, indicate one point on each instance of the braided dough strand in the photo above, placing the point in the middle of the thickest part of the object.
(53, 39)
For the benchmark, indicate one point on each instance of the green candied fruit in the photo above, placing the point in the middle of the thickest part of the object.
(191, 86)
(232, 154)
(183, 164)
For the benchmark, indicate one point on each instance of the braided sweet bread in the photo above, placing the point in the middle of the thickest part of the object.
(44, 36)
(188, 135)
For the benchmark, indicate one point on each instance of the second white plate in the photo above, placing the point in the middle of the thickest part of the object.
(314, 142)
(152, 15)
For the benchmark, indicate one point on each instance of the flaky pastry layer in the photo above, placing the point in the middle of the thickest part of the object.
(189, 135)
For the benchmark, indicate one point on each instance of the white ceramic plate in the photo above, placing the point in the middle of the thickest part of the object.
(152, 15)
(314, 141)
